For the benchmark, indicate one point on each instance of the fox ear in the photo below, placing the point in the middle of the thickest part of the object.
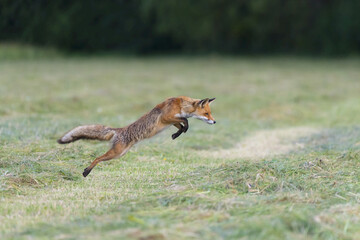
(211, 99)
(201, 103)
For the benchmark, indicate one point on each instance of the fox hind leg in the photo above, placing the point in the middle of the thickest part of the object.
(117, 150)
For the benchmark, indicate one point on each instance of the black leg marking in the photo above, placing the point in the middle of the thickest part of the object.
(183, 128)
(177, 134)
(186, 125)
(86, 172)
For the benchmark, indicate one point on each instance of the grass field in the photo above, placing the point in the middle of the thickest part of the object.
(282, 162)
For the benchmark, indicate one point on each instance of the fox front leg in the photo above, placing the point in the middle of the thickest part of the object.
(186, 124)
(179, 132)
(181, 128)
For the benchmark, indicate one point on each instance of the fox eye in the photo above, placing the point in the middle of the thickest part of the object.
(206, 114)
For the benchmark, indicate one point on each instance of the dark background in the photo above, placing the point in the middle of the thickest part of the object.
(312, 27)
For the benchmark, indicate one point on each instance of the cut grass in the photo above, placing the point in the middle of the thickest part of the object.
(164, 189)
(265, 144)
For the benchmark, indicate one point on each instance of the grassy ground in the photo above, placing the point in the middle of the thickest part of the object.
(282, 162)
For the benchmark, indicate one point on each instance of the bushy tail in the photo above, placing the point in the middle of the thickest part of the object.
(98, 132)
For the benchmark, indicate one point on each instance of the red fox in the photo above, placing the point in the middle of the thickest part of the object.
(173, 111)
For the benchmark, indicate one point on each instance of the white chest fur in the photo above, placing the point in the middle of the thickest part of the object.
(183, 115)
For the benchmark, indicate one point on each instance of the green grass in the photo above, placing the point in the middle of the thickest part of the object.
(165, 189)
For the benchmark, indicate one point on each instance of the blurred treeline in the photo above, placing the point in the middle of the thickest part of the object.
(146, 26)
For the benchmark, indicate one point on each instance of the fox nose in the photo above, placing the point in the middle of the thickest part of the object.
(214, 122)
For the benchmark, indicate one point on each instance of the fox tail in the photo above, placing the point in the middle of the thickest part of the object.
(97, 132)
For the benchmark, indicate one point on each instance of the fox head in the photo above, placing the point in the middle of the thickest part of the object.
(202, 110)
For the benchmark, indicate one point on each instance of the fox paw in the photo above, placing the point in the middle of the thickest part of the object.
(175, 136)
(86, 172)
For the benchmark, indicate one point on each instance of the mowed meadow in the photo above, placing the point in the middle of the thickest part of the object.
(282, 161)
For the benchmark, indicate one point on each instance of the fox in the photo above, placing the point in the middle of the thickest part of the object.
(173, 111)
